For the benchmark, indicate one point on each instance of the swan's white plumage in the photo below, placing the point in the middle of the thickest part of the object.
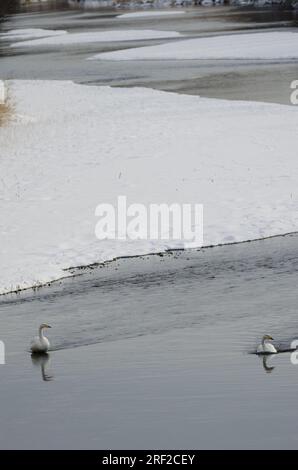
(268, 348)
(265, 347)
(40, 344)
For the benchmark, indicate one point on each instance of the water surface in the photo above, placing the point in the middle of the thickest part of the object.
(156, 352)
(246, 79)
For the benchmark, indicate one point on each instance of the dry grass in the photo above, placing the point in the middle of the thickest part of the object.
(4, 113)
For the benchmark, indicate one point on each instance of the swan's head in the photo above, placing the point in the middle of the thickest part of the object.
(267, 337)
(44, 325)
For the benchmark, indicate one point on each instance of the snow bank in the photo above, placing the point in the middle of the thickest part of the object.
(84, 145)
(100, 36)
(276, 45)
(145, 14)
(21, 34)
(89, 4)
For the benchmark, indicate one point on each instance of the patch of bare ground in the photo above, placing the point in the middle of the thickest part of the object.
(4, 113)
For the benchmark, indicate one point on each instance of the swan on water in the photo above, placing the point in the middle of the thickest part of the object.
(40, 343)
(265, 347)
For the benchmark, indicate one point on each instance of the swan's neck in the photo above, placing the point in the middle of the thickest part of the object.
(41, 333)
(264, 340)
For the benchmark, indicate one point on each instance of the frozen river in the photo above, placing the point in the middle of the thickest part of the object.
(156, 351)
(260, 81)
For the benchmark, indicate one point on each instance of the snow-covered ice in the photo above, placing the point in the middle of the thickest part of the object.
(151, 13)
(23, 34)
(75, 146)
(269, 45)
(88, 4)
(98, 36)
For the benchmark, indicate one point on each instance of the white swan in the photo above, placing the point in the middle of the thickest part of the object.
(40, 343)
(265, 347)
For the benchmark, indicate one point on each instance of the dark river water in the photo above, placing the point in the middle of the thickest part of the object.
(156, 351)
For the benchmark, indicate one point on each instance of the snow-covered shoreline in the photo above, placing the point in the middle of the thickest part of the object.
(256, 46)
(149, 14)
(75, 146)
(30, 33)
(78, 39)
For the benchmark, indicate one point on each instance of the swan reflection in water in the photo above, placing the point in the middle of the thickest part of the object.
(42, 360)
(266, 360)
